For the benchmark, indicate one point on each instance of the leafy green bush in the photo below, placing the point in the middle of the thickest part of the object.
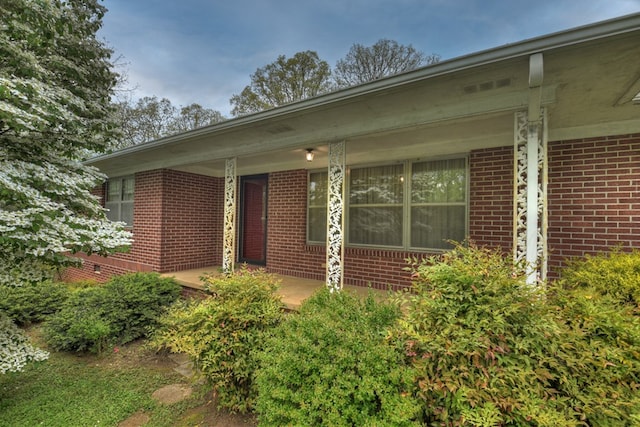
(82, 284)
(599, 356)
(124, 309)
(616, 274)
(82, 323)
(135, 301)
(491, 350)
(222, 332)
(32, 302)
(330, 365)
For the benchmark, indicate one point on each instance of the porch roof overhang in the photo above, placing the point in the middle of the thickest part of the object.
(591, 77)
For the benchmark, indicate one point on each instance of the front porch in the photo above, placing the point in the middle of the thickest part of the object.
(293, 290)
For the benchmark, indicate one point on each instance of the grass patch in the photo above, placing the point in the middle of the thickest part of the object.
(104, 390)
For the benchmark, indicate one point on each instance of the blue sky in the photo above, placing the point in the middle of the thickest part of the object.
(204, 51)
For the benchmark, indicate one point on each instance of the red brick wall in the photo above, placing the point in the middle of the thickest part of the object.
(594, 196)
(191, 221)
(491, 197)
(101, 268)
(287, 251)
(147, 220)
(594, 205)
(177, 225)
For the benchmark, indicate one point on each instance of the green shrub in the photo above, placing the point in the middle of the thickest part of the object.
(135, 301)
(476, 333)
(599, 356)
(222, 332)
(122, 310)
(82, 284)
(330, 365)
(491, 350)
(616, 274)
(81, 324)
(32, 302)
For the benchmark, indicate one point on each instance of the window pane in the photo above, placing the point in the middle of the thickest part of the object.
(126, 213)
(318, 189)
(376, 199)
(438, 203)
(439, 181)
(376, 185)
(317, 225)
(432, 226)
(375, 226)
(114, 189)
(114, 211)
(317, 207)
(127, 189)
(120, 195)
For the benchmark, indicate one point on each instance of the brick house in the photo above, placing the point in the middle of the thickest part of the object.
(532, 147)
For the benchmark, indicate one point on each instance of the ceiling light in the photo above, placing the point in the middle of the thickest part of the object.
(309, 155)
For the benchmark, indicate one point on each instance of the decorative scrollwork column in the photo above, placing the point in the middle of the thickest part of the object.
(335, 216)
(229, 232)
(530, 195)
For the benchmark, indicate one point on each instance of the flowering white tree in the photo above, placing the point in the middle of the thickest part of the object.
(56, 81)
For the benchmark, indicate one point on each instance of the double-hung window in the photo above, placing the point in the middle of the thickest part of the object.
(438, 203)
(119, 199)
(406, 205)
(376, 196)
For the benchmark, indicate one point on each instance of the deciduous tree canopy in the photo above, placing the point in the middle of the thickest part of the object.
(151, 118)
(385, 58)
(284, 81)
(305, 75)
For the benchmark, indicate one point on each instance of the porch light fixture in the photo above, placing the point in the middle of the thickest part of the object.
(309, 155)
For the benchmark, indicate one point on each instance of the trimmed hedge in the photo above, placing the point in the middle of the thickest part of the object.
(122, 310)
(32, 302)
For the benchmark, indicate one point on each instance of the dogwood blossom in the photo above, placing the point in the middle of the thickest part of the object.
(56, 80)
(15, 349)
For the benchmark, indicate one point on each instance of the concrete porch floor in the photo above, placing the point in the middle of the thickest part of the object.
(293, 290)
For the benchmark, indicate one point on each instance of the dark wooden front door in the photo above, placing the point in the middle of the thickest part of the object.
(253, 219)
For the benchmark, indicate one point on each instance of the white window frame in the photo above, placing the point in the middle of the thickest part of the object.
(407, 203)
(115, 206)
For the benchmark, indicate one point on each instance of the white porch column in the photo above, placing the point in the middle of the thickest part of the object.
(229, 231)
(530, 195)
(335, 216)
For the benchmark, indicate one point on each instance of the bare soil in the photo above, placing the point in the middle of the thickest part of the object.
(204, 415)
